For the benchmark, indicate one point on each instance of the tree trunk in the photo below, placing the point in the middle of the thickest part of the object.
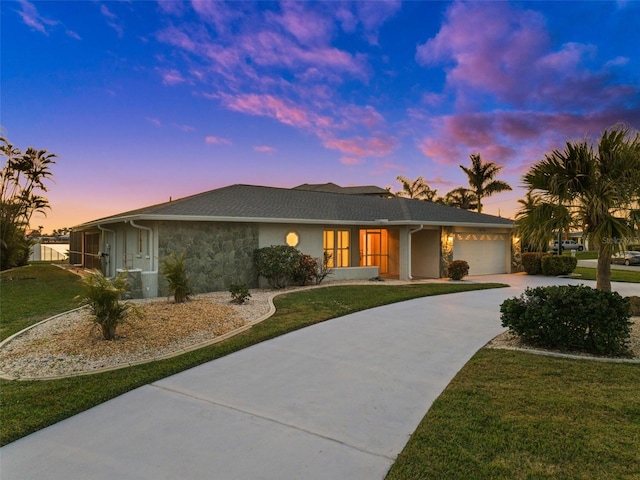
(603, 274)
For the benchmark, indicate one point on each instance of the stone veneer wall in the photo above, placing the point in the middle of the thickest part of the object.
(217, 253)
(446, 250)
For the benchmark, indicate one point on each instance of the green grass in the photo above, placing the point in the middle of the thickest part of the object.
(588, 273)
(33, 293)
(513, 415)
(582, 255)
(28, 406)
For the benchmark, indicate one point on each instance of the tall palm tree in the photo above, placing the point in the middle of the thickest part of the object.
(597, 186)
(461, 198)
(417, 188)
(538, 218)
(482, 178)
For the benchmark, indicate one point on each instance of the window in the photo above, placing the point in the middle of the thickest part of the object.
(336, 245)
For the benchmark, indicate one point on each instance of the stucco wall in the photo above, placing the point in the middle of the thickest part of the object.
(425, 254)
(217, 254)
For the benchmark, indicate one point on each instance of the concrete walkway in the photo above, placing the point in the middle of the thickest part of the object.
(337, 400)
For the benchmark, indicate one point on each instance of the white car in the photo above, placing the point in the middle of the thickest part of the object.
(568, 245)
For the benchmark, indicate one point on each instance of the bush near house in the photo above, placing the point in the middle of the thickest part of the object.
(239, 293)
(570, 318)
(554, 265)
(305, 271)
(103, 297)
(174, 270)
(532, 262)
(277, 264)
(458, 269)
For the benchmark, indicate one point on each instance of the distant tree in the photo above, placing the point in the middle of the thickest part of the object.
(21, 182)
(482, 179)
(461, 198)
(596, 187)
(417, 189)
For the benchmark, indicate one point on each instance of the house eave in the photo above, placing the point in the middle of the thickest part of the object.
(201, 218)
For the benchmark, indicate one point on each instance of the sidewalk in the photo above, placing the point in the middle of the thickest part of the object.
(337, 400)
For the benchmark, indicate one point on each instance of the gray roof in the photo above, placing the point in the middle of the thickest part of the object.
(251, 203)
(333, 188)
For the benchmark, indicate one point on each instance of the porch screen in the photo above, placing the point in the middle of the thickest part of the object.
(336, 245)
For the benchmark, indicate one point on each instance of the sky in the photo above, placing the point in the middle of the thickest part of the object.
(142, 101)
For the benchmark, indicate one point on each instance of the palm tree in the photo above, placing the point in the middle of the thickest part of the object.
(538, 218)
(482, 178)
(461, 198)
(20, 178)
(596, 187)
(417, 188)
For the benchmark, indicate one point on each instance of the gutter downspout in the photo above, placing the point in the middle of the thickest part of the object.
(411, 232)
(150, 242)
(108, 259)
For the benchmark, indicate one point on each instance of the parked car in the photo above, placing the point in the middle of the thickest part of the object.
(568, 245)
(628, 257)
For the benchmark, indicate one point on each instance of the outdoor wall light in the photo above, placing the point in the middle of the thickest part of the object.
(450, 238)
(292, 239)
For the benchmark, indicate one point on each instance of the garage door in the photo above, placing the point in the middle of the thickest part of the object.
(485, 253)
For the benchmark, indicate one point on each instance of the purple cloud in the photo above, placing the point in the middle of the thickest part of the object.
(505, 52)
(32, 18)
(213, 140)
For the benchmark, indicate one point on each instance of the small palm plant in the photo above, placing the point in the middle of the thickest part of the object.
(103, 297)
(174, 271)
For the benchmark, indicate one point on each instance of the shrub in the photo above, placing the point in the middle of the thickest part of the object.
(175, 272)
(239, 293)
(571, 318)
(458, 269)
(635, 305)
(276, 263)
(323, 270)
(304, 271)
(103, 297)
(554, 265)
(532, 262)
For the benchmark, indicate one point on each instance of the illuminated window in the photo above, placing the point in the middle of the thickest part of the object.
(336, 246)
(292, 239)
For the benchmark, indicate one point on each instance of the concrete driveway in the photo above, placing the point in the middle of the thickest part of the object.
(337, 400)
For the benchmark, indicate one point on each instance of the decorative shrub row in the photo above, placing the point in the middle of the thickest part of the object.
(536, 263)
(554, 265)
(458, 269)
(532, 262)
(570, 318)
(283, 265)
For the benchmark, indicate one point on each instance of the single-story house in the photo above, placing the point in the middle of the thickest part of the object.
(367, 236)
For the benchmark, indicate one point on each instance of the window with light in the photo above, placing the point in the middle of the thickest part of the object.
(336, 246)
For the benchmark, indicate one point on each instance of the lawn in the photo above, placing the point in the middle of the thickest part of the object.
(510, 415)
(26, 407)
(631, 276)
(33, 293)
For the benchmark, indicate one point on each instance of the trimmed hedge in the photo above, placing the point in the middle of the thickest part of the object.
(554, 265)
(532, 262)
(570, 318)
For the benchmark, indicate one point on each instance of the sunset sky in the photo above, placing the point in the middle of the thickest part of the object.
(145, 100)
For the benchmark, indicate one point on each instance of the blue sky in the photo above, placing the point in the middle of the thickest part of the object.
(145, 100)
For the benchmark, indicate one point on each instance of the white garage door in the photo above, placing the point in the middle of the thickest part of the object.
(485, 253)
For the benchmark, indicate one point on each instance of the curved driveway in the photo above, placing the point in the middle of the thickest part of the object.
(337, 400)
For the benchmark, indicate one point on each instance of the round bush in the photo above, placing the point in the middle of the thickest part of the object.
(458, 269)
(570, 318)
